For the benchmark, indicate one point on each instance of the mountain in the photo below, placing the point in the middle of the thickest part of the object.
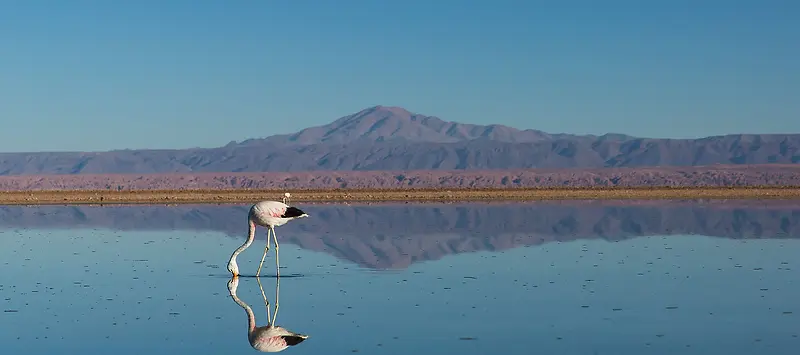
(392, 138)
(393, 236)
(381, 124)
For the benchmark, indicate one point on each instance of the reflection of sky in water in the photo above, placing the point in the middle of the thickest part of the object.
(78, 291)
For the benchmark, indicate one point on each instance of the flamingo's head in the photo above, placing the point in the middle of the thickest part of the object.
(233, 268)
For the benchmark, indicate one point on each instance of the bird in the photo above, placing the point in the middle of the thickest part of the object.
(286, 197)
(269, 214)
(269, 338)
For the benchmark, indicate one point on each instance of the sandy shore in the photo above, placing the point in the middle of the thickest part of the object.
(415, 195)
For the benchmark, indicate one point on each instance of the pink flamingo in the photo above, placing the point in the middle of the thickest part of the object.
(269, 214)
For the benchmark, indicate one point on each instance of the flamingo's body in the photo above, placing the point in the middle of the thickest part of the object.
(269, 214)
(273, 213)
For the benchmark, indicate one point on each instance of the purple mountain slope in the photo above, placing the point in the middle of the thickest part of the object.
(391, 138)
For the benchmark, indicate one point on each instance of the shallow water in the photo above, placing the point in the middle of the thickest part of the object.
(553, 278)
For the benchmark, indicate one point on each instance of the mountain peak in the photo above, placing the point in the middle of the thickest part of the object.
(384, 111)
(384, 122)
(392, 109)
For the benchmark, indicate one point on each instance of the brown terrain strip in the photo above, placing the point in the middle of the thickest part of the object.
(45, 197)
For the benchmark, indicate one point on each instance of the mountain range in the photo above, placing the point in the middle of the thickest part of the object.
(394, 236)
(384, 138)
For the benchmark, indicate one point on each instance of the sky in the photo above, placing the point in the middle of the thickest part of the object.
(85, 75)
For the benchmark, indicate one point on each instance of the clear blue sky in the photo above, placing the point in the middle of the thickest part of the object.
(98, 75)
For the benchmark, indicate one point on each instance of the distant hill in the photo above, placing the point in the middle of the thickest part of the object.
(392, 138)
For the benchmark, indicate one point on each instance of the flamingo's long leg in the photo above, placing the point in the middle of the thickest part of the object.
(277, 260)
(266, 249)
(264, 296)
(277, 298)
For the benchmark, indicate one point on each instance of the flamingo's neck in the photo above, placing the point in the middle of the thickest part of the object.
(251, 317)
(251, 235)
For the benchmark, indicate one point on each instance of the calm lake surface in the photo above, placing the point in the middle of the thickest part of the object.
(576, 277)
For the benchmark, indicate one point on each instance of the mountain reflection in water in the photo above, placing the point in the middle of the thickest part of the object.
(394, 236)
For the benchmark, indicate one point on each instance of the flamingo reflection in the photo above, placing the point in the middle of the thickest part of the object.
(271, 337)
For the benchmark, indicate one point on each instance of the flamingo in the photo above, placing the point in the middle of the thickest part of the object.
(269, 338)
(269, 214)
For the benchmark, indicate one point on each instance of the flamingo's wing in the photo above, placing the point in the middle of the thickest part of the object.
(276, 211)
(270, 209)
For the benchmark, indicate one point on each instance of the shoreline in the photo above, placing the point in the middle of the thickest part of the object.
(230, 196)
